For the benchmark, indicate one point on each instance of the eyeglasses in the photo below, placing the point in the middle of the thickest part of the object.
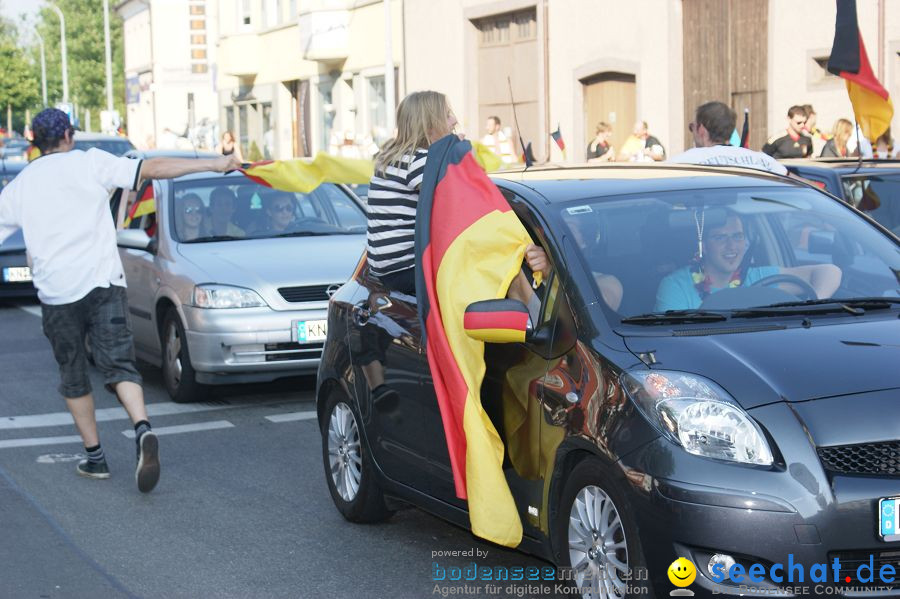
(192, 209)
(283, 208)
(721, 238)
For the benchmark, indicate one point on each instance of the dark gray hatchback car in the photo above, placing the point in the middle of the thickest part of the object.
(652, 415)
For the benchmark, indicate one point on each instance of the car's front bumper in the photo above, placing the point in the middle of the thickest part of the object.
(249, 344)
(692, 507)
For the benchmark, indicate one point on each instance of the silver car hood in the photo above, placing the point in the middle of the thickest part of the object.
(264, 265)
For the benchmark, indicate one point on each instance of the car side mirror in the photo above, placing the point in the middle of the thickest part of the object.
(498, 321)
(135, 239)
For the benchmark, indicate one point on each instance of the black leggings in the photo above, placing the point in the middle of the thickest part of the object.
(402, 280)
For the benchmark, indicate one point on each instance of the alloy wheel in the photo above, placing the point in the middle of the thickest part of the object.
(344, 455)
(173, 355)
(597, 546)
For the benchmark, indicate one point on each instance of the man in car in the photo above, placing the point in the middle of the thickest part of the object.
(61, 202)
(280, 213)
(721, 265)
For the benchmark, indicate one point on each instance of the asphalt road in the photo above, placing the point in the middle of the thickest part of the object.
(241, 510)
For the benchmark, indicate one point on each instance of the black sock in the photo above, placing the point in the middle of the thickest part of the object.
(140, 428)
(95, 454)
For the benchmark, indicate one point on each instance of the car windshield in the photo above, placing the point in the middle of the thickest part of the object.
(714, 252)
(237, 208)
(877, 195)
(118, 147)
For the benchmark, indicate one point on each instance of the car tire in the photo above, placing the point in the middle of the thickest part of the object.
(178, 373)
(349, 471)
(596, 528)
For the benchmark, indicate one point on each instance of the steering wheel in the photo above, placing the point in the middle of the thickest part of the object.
(806, 290)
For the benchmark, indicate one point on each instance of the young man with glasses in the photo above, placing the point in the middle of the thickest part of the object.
(794, 143)
(61, 200)
(712, 128)
(721, 265)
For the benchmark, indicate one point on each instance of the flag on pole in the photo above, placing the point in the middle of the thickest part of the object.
(304, 176)
(745, 131)
(557, 137)
(871, 102)
(469, 248)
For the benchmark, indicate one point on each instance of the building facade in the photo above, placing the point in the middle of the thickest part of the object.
(169, 60)
(295, 78)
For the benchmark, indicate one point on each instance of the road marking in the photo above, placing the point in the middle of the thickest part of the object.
(292, 416)
(39, 441)
(108, 414)
(57, 458)
(35, 310)
(186, 428)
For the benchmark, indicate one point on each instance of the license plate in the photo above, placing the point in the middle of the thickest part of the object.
(16, 274)
(309, 331)
(889, 518)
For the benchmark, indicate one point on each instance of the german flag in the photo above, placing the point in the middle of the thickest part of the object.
(146, 204)
(871, 102)
(304, 176)
(469, 248)
(560, 142)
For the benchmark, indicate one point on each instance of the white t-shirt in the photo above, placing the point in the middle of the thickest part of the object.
(730, 156)
(61, 203)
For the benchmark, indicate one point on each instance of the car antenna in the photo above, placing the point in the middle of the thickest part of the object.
(516, 121)
(858, 148)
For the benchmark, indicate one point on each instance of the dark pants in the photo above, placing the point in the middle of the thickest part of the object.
(102, 314)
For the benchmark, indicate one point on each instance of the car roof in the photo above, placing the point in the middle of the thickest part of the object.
(144, 154)
(11, 166)
(85, 136)
(843, 165)
(561, 183)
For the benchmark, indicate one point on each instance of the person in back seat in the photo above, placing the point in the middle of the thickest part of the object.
(585, 235)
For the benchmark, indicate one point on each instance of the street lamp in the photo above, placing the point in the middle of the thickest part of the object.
(43, 69)
(62, 45)
(109, 93)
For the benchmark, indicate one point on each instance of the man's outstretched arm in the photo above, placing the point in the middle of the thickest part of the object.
(168, 168)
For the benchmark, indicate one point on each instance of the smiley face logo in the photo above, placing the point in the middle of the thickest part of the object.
(682, 572)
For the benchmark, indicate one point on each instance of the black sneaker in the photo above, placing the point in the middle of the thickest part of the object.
(147, 472)
(93, 469)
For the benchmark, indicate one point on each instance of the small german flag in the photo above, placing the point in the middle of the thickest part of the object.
(497, 321)
(146, 204)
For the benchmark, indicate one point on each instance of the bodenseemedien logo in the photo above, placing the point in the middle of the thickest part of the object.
(682, 573)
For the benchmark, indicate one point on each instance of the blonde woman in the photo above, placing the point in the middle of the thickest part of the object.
(836, 147)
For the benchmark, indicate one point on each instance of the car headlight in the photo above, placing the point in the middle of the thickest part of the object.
(698, 415)
(225, 296)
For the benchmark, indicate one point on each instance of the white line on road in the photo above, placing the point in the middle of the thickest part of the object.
(39, 441)
(35, 310)
(291, 416)
(107, 414)
(186, 428)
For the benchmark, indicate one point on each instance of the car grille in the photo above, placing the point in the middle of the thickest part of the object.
(309, 293)
(279, 352)
(879, 459)
(852, 560)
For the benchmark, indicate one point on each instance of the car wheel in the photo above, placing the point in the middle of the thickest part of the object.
(348, 466)
(596, 535)
(178, 374)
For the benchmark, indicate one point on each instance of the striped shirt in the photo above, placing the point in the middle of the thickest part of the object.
(393, 197)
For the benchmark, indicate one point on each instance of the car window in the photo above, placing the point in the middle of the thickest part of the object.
(877, 195)
(117, 147)
(236, 208)
(652, 246)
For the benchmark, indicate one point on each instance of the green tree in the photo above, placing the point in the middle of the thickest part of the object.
(86, 55)
(19, 90)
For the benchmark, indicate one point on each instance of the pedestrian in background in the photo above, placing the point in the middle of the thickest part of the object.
(228, 146)
(794, 143)
(600, 150)
(641, 146)
(498, 141)
(836, 147)
(61, 201)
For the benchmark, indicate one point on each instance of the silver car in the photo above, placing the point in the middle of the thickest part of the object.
(229, 280)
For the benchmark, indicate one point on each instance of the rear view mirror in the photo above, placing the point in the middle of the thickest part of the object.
(498, 321)
(135, 239)
(821, 242)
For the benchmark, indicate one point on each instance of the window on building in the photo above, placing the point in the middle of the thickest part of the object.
(526, 25)
(198, 9)
(198, 39)
(198, 24)
(229, 118)
(292, 9)
(245, 13)
(268, 131)
(198, 53)
(508, 27)
(325, 89)
(244, 133)
(199, 68)
(377, 112)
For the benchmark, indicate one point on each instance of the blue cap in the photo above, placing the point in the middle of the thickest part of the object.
(50, 124)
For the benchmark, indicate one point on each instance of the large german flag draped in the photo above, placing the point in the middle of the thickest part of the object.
(469, 247)
(871, 103)
(304, 176)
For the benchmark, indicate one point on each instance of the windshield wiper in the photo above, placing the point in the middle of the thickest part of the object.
(213, 238)
(304, 234)
(675, 317)
(856, 306)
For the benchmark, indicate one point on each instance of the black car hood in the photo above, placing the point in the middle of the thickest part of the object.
(793, 364)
